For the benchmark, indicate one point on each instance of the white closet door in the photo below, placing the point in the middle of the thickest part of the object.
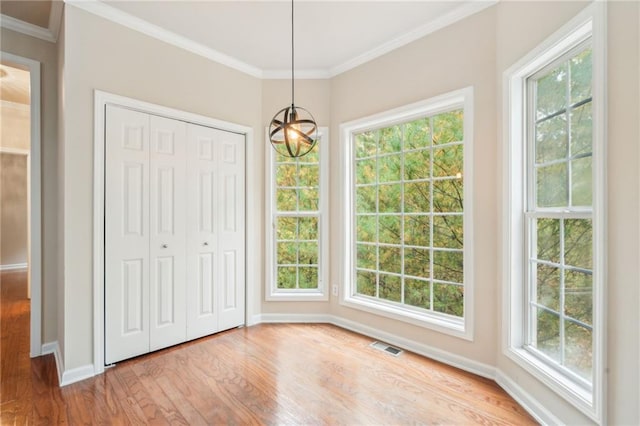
(231, 239)
(215, 234)
(167, 245)
(126, 234)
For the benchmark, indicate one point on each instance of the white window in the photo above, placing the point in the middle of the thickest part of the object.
(554, 241)
(297, 224)
(407, 217)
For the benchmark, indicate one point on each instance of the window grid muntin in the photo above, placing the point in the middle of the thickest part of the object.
(430, 147)
(297, 214)
(561, 213)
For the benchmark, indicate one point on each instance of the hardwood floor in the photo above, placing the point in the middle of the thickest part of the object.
(266, 374)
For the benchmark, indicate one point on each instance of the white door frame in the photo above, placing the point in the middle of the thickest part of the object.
(101, 99)
(35, 199)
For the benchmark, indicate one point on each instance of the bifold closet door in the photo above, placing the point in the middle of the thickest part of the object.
(126, 234)
(215, 234)
(145, 233)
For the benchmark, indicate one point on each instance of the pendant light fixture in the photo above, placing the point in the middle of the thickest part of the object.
(293, 131)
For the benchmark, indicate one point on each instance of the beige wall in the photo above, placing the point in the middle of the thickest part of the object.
(45, 53)
(13, 209)
(16, 131)
(456, 57)
(99, 54)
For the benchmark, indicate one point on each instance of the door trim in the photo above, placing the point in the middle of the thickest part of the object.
(35, 200)
(101, 100)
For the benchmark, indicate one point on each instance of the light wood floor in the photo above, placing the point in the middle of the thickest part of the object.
(266, 374)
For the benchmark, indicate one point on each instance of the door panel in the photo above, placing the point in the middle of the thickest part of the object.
(167, 242)
(126, 234)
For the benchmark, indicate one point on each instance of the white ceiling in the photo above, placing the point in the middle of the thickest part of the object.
(254, 36)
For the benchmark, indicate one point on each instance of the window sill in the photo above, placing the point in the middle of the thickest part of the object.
(563, 385)
(441, 323)
(296, 296)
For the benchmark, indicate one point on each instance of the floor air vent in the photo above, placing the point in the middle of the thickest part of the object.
(386, 348)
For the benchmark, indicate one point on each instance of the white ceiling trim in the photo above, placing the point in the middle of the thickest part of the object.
(103, 10)
(17, 25)
(455, 15)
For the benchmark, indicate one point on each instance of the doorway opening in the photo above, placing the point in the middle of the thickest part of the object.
(20, 195)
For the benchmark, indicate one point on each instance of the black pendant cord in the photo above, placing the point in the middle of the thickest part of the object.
(292, 69)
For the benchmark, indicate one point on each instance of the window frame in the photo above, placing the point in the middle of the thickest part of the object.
(461, 327)
(272, 292)
(587, 26)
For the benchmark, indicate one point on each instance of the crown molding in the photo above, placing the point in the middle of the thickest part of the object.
(318, 74)
(55, 17)
(110, 13)
(26, 28)
(455, 15)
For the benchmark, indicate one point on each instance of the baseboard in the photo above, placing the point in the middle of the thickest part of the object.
(54, 348)
(71, 376)
(528, 402)
(77, 374)
(14, 267)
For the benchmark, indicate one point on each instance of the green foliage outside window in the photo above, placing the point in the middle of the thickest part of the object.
(409, 213)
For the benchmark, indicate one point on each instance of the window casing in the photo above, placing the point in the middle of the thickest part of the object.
(407, 223)
(553, 248)
(297, 248)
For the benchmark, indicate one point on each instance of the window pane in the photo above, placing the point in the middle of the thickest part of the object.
(308, 253)
(447, 266)
(548, 239)
(308, 228)
(366, 199)
(390, 287)
(581, 76)
(287, 254)
(390, 198)
(416, 262)
(548, 286)
(578, 243)
(309, 176)
(548, 334)
(308, 277)
(287, 277)
(448, 161)
(308, 200)
(578, 296)
(366, 144)
(366, 283)
(286, 200)
(389, 229)
(286, 175)
(287, 228)
(578, 349)
(390, 139)
(417, 134)
(581, 130)
(551, 92)
(366, 228)
(417, 165)
(581, 182)
(416, 293)
(366, 171)
(416, 197)
(390, 259)
(366, 257)
(448, 127)
(390, 169)
(416, 231)
(552, 186)
(448, 196)
(551, 139)
(447, 231)
(448, 299)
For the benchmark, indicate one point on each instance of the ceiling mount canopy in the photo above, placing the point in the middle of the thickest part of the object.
(293, 131)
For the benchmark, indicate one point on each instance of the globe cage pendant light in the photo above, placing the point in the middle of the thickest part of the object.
(293, 131)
